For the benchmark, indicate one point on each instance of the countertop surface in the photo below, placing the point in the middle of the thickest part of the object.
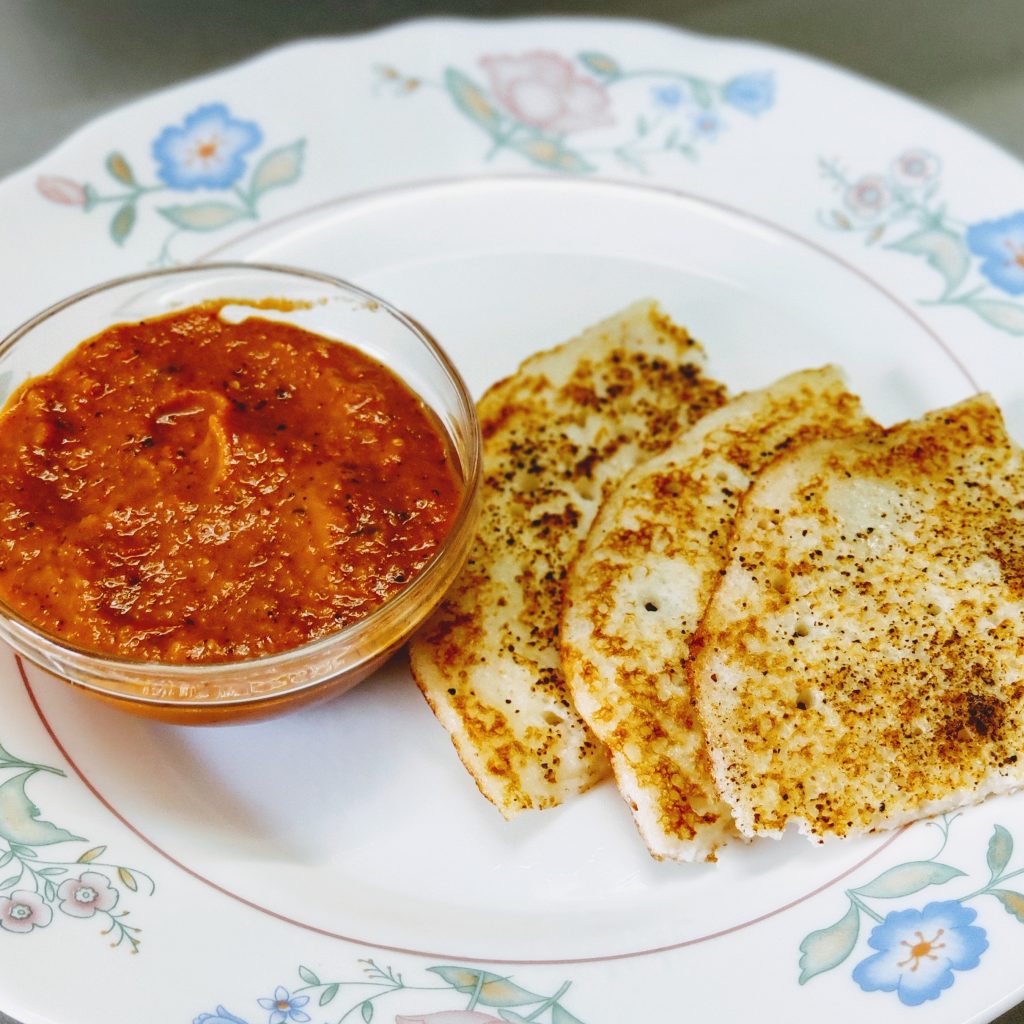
(62, 62)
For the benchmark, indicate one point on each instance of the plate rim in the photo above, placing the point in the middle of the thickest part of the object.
(243, 66)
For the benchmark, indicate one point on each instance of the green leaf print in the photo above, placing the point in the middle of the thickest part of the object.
(19, 817)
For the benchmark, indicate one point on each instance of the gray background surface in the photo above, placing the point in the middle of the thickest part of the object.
(62, 62)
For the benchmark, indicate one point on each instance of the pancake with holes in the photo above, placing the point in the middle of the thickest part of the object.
(639, 586)
(558, 435)
(861, 662)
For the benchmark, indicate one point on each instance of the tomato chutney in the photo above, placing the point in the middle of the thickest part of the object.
(188, 489)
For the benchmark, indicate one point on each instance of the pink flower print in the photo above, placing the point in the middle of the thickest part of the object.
(22, 911)
(915, 167)
(544, 91)
(450, 1017)
(82, 897)
(707, 125)
(61, 190)
(868, 196)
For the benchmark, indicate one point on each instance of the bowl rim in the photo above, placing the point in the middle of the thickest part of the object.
(469, 466)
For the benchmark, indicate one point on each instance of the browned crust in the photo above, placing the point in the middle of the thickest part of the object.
(868, 672)
(637, 590)
(557, 434)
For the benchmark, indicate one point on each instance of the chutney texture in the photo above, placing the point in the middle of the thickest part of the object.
(189, 489)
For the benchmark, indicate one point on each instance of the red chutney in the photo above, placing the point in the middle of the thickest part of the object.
(187, 489)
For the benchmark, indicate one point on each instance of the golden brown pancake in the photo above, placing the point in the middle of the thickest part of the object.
(861, 662)
(558, 435)
(639, 586)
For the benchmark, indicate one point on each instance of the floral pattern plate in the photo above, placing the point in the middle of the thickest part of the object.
(507, 183)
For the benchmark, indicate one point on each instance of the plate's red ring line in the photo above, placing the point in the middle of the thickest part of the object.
(408, 187)
(431, 954)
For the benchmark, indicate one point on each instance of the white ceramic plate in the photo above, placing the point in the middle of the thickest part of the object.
(507, 184)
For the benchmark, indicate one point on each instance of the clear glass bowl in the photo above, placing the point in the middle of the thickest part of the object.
(260, 686)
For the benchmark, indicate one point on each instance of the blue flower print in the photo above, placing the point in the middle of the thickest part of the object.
(1000, 244)
(219, 1016)
(753, 93)
(284, 1007)
(918, 951)
(207, 151)
(668, 96)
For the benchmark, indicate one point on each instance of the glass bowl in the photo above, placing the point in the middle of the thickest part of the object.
(257, 687)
